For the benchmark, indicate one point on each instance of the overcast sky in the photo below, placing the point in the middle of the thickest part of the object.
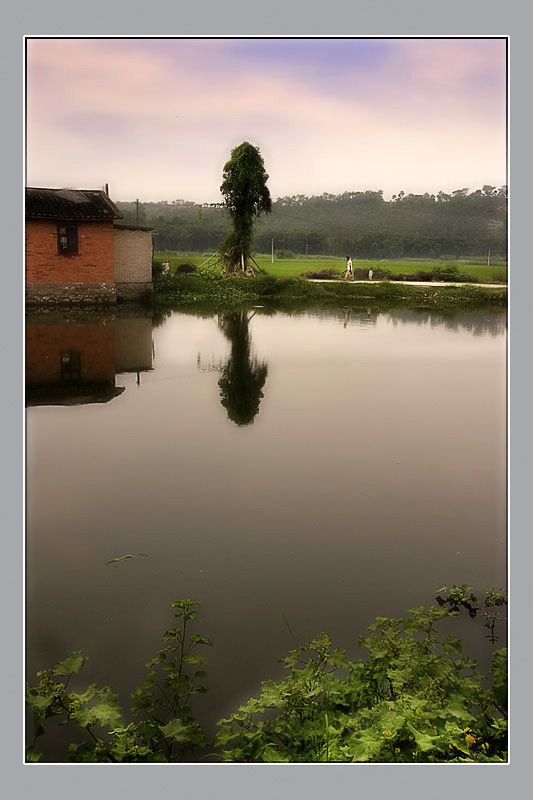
(157, 118)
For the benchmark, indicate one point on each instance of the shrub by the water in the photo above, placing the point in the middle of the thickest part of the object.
(158, 268)
(379, 274)
(202, 286)
(209, 287)
(417, 276)
(450, 272)
(183, 269)
(324, 274)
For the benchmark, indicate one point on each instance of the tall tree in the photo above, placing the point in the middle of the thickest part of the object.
(246, 196)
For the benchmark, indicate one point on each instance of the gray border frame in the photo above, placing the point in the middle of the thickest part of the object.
(410, 18)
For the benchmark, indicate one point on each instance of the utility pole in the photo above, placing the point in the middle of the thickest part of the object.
(306, 245)
(137, 211)
(488, 259)
(272, 250)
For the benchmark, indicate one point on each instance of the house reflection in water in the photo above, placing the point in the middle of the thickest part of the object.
(133, 345)
(73, 358)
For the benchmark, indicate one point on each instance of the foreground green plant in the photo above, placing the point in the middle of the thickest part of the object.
(166, 729)
(416, 698)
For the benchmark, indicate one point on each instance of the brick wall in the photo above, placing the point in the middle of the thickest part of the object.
(133, 256)
(94, 263)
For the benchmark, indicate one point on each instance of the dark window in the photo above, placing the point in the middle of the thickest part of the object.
(67, 239)
(70, 367)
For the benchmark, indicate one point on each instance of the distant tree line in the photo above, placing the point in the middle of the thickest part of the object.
(362, 224)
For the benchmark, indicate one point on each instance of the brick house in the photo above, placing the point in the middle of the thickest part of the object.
(74, 254)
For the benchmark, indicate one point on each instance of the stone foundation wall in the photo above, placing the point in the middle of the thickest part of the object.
(44, 294)
(132, 291)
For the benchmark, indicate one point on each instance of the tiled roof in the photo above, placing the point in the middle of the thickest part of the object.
(125, 226)
(70, 204)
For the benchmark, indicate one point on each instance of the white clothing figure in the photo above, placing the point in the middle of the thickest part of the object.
(349, 270)
(370, 273)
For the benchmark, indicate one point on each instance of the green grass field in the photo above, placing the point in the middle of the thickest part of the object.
(287, 268)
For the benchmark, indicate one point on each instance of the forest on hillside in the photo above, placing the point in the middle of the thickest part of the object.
(362, 224)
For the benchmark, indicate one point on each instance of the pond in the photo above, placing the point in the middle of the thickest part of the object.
(288, 470)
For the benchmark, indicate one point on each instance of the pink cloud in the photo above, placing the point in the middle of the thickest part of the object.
(148, 114)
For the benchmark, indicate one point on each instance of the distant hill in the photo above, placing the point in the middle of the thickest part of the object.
(361, 224)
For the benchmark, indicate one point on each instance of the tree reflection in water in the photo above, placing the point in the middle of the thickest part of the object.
(243, 376)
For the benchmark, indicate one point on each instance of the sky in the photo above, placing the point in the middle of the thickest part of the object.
(157, 118)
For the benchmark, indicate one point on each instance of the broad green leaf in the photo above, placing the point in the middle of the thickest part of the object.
(271, 754)
(32, 756)
(253, 706)
(271, 693)
(201, 640)
(391, 721)
(190, 658)
(456, 707)
(424, 741)
(72, 664)
(225, 735)
(86, 696)
(183, 732)
(39, 703)
(235, 755)
(365, 746)
(105, 712)
(499, 672)
(176, 729)
(85, 751)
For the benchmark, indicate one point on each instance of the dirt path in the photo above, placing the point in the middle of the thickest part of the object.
(416, 283)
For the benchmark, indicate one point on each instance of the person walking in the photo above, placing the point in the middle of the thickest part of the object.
(349, 269)
(370, 274)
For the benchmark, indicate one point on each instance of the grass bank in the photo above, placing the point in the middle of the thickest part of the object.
(293, 267)
(222, 292)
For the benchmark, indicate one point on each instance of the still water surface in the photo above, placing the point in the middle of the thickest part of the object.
(325, 467)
